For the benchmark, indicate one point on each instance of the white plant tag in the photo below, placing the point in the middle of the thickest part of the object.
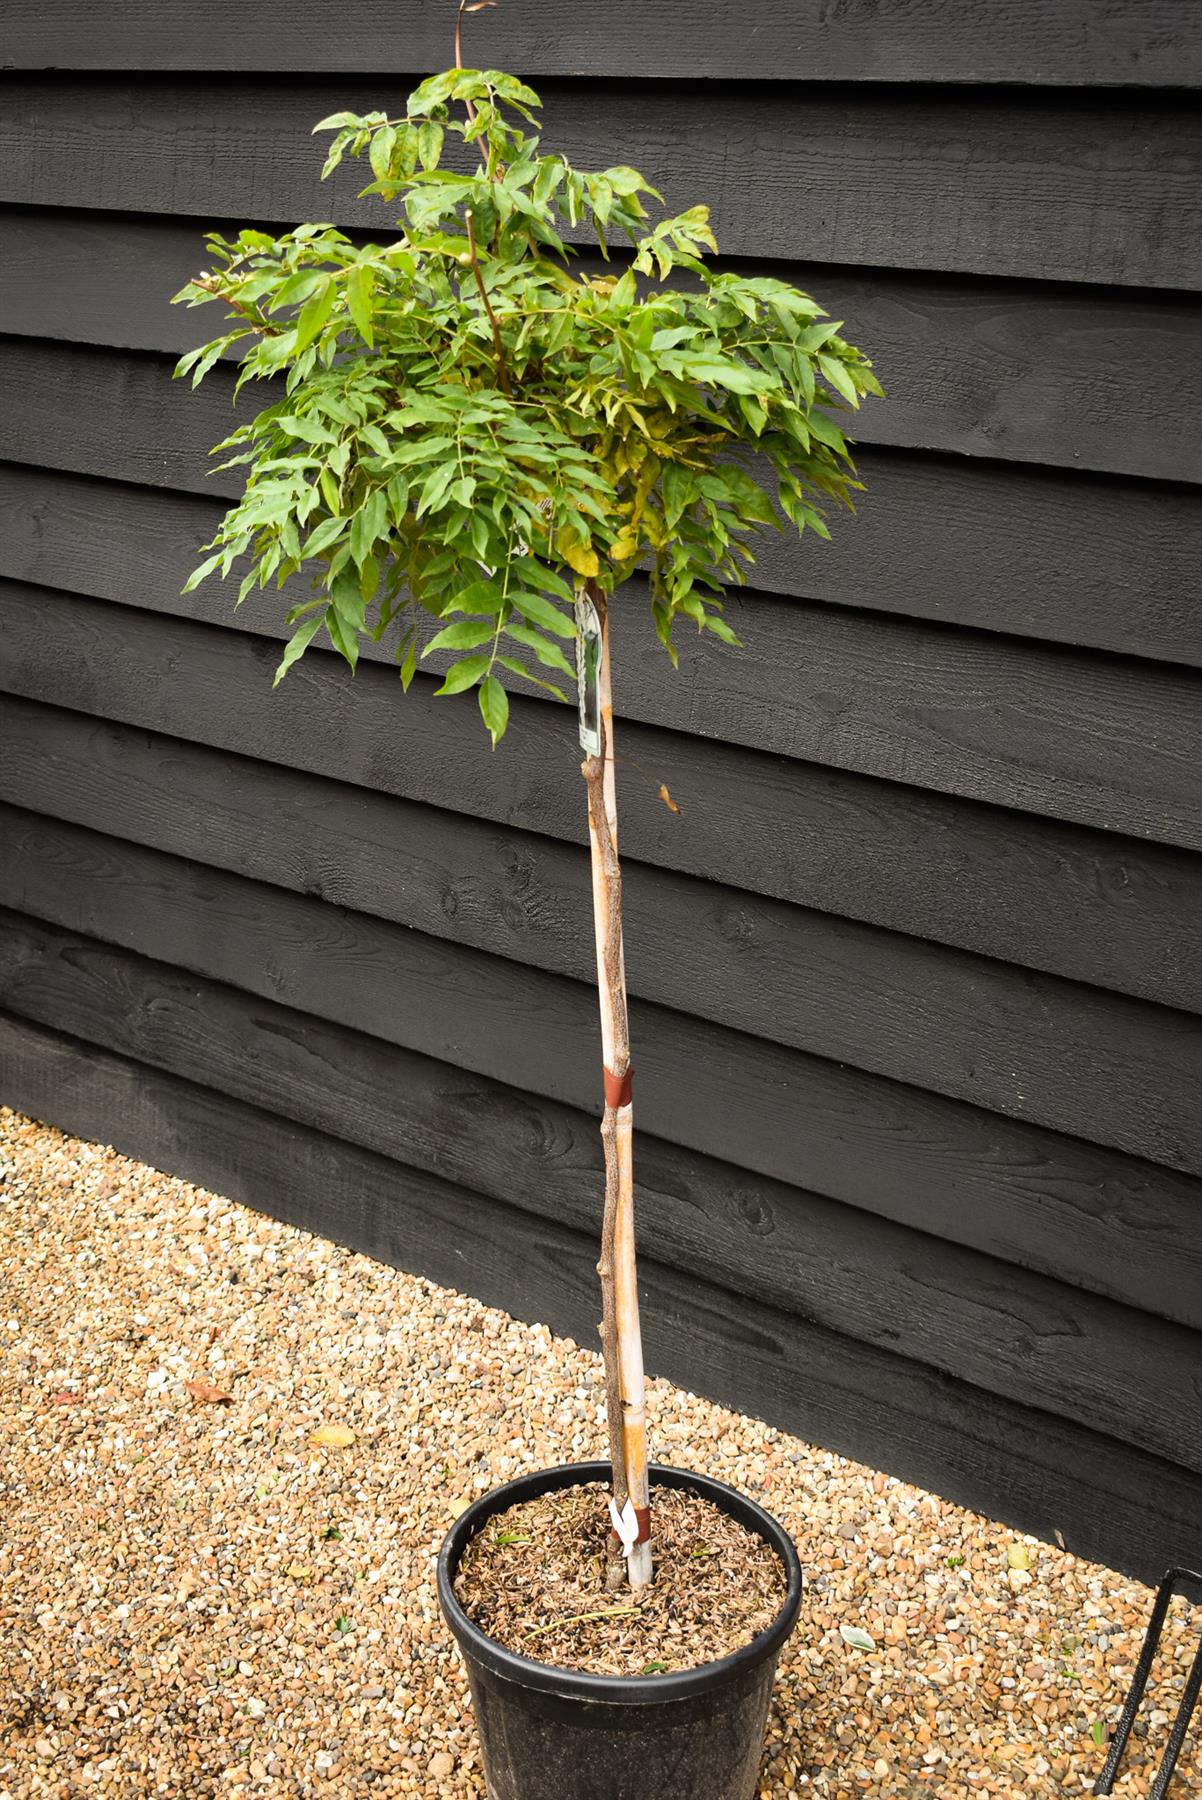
(625, 1524)
(588, 667)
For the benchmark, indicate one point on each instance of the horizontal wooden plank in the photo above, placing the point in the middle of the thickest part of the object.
(1119, 916)
(945, 707)
(1073, 735)
(1106, 1501)
(1099, 190)
(1108, 380)
(1011, 886)
(1091, 561)
(1012, 1333)
(1075, 42)
(1031, 1047)
(1045, 1202)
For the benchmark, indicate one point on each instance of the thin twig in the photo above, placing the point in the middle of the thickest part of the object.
(613, 1612)
(502, 371)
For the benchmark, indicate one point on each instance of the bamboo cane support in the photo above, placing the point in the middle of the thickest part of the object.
(621, 1340)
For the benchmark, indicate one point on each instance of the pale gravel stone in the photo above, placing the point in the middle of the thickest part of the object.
(171, 1590)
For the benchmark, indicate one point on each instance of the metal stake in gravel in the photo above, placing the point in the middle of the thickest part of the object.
(1174, 1579)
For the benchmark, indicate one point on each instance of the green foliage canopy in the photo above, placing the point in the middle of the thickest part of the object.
(469, 426)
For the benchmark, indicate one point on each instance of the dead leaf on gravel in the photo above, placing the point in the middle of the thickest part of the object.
(333, 1437)
(206, 1394)
(1018, 1556)
(64, 1399)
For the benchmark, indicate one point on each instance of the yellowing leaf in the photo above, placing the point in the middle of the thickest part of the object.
(1018, 1556)
(297, 1572)
(333, 1437)
(578, 553)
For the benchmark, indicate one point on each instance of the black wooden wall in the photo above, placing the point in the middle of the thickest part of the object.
(917, 974)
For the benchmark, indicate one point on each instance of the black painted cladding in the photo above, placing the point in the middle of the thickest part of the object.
(917, 975)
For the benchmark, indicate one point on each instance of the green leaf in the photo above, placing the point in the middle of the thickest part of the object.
(325, 534)
(314, 314)
(198, 575)
(839, 378)
(297, 644)
(310, 430)
(466, 634)
(463, 674)
(541, 612)
(494, 708)
(429, 145)
(360, 289)
(342, 636)
(379, 154)
(827, 432)
(546, 650)
(1097, 1732)
(721, 372)
(369, 524)
(537, 574)
(435, 488)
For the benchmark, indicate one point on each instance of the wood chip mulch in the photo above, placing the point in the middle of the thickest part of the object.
(535, 1580)
(229, 1453)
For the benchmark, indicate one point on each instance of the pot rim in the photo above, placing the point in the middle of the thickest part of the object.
(681, 1684)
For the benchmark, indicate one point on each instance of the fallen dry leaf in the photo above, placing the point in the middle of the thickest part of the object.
(335, 1437)
(667, 799)
(297, 1572)
(205, 1393)
(64, 1399)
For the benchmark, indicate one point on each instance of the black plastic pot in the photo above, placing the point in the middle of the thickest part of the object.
(561, 1734)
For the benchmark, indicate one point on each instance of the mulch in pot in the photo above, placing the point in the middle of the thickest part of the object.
(534, 1579)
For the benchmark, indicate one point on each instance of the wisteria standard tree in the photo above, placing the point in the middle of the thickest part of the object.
(468, 431)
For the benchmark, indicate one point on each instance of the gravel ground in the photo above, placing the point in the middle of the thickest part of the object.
(199, 1595)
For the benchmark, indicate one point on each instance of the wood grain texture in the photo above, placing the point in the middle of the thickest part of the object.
(1103, 749)
(1032, 372)
(1043, 1051)
(1009, 1332)
(1087, 189)
(1030, 1196)
(1091, 561)
(1015, 1463)
(1087, 42)
(1107, 912)
(1030, 1046)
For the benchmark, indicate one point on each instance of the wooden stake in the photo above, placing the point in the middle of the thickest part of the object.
(621, 1340)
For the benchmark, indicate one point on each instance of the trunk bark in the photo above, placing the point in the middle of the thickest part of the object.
(621, 1341)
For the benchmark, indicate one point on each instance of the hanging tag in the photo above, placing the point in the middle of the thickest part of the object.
(588, 669)
(626, 1525)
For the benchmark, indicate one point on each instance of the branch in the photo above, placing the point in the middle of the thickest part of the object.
(502, 371)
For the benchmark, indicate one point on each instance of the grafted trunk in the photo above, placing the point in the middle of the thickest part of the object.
(621, 1341)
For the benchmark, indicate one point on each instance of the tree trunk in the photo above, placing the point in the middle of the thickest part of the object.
(621, 1341)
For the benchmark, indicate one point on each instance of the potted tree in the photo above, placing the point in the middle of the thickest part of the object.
(474, 447)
